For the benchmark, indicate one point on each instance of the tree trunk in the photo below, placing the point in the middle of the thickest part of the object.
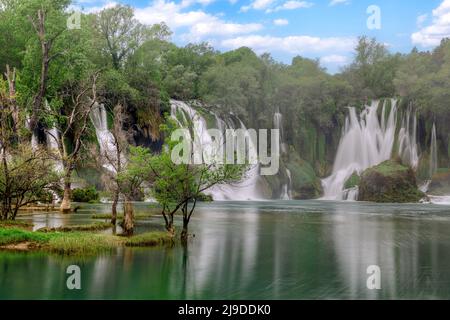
(65, 204)
(184, 232)
(114, 208)
(128, 217)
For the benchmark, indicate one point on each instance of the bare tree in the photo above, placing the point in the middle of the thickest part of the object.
(46, 42)
(73, 123)
(24, 174)
(116, 161)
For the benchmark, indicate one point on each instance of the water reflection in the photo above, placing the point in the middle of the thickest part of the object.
(269, 250)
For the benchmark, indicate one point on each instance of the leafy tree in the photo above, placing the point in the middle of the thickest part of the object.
(180, 186)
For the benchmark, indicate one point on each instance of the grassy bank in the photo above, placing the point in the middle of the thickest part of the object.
(74, 242)
(108, 216)
(98, 226)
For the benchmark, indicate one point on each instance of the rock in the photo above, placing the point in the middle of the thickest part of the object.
(353, 181)
(389, 182)
(305, 183)
(440, 183)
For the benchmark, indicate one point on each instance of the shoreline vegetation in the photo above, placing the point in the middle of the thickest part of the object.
(74, 240)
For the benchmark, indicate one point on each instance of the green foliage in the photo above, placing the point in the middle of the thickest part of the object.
(389, 182)
(89, 194)
(353, 181)
(84, 227)
(14, 235)
(149, 239)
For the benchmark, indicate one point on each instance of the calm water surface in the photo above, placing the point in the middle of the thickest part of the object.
(256, 250)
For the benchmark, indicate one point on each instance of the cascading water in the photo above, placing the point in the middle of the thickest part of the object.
(433, 161)
(187, 117)
(104, 136)
(52, 144)
(433, 152)
(407, 138)
(286, 193)
(34, 140)
(367, 141)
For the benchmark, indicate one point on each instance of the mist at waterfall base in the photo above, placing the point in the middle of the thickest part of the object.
(368, 140)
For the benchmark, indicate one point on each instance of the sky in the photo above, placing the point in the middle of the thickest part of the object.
(322, 29)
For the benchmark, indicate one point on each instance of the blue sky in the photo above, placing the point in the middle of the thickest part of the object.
(324, 29)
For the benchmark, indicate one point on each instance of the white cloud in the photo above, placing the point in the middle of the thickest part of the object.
(421, 20)
(290, 44)
(258, 5)
(334, 59)
(439, 28)
(280, 22)
(199, 23)
(337, 2)
(291, 5)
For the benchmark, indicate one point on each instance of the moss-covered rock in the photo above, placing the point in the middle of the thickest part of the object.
(353, 181)
(305, 183)
(389, 182)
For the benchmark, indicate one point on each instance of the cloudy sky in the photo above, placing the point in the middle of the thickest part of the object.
(324, 29)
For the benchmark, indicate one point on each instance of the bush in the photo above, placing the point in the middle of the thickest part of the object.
(85, 195)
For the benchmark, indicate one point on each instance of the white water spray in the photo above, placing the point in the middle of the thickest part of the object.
(367, 141)
(104, 136)
(190, 118)
(286, 193)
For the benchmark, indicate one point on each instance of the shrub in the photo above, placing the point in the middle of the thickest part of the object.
(85, 195)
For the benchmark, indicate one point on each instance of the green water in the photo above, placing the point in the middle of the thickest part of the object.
(257, 250)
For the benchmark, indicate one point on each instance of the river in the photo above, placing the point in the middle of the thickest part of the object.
(256, 250)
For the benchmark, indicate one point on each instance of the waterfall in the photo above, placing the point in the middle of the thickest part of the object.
(34, 140)
(190, 118)
(433, 161)
(367, 141)
(52, 137)
(52, 144)
(433, 152)
(407, 138)
(286, 193)
(104, 137)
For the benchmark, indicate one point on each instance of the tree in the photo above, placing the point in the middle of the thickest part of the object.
(72, 123)
(24, 174)
(48, 23)
(180, 186)
(115, 162)
(129, 182)
(121, 32)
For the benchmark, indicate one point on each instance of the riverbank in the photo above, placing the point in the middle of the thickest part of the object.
(75, 240)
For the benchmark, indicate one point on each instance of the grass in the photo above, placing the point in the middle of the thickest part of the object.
(108, 216)
(78, 243)
(389, 167)
(81, 240)
(149, 239)
(14, 235)
(15, 223)
(98, 226)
